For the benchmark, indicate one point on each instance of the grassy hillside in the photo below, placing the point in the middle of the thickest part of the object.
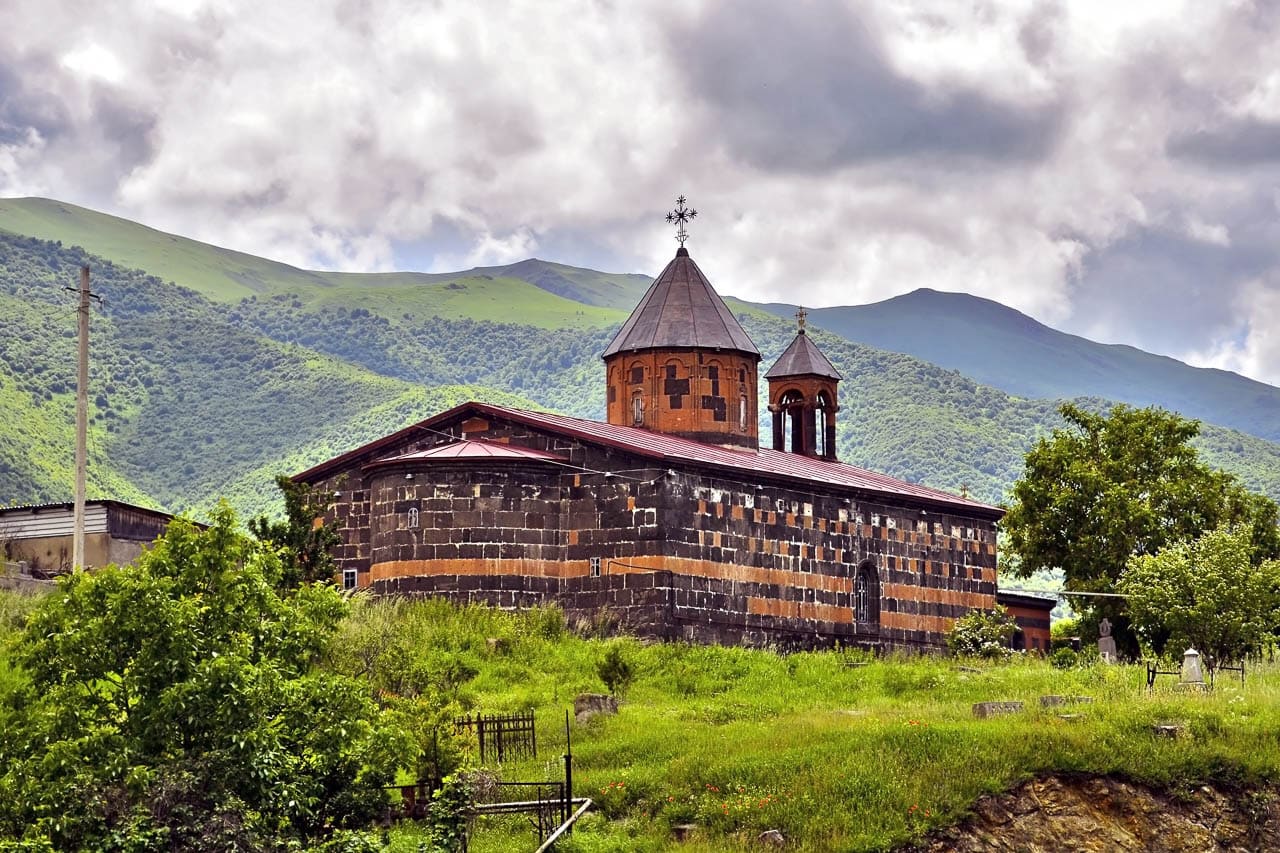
(219, 274)
(540, 293)
(838, 751)
(187, 404)
(1008, 350)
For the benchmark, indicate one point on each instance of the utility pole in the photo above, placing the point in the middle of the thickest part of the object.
(82, 417)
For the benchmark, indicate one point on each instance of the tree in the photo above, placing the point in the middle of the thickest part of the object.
(1205, 593)
(615, 669)
(303, 539)
(1109, 487)
(175, 704)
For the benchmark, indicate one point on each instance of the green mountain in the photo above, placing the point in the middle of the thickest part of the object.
(540, 293)
(209, 390)
(1006, 349)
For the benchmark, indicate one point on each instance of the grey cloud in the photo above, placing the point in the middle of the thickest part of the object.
(1175, 290)
(805, 87)
(1237, 142)
(1036, 35)
(24, 104)
(127, 125)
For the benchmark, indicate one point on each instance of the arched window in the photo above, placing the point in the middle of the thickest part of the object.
(866, 595)
(793, 421)
(637, 409)
(413, 516)
(820, 423)
(742, 412)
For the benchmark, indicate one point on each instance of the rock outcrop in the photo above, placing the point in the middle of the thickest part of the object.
(1083, 813)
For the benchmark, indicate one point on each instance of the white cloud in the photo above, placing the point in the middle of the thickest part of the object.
(1254, 347)
(1011, 149)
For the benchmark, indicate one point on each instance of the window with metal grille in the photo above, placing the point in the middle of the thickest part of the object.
(349, 579)
(595, 567)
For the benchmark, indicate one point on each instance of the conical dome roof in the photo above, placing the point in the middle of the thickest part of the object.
(802, 358)
(681, 310)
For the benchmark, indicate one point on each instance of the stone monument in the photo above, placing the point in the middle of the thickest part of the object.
(1106, 643)
(1191, 670)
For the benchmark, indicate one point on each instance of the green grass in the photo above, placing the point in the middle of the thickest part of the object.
(839, 751)
(219, 274)
(478, 297)
(832, 749)
(568, 296)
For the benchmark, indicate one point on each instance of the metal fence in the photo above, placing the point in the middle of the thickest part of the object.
(502, 736)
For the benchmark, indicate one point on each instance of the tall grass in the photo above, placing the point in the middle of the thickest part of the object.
(836, 750)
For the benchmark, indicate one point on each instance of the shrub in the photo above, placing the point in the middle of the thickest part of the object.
(615, 670)
(1064, 658)
(982, 634)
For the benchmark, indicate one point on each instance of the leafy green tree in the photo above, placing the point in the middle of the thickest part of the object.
(1207, 594)
(175, 705)
(304, 540)
(1110, 487)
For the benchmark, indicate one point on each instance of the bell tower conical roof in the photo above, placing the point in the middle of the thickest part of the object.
(681, 310)
(802, 358)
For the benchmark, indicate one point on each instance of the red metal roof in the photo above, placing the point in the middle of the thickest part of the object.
(763, 464)
(474, 449)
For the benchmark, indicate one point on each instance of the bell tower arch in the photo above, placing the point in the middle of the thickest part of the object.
(802, 398)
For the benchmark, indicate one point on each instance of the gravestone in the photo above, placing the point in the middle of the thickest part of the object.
(588, 705)
(1106, 643)
(1192, 673)
(771, 838)
(984, 710)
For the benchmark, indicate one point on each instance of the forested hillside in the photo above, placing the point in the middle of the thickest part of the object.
(194, 398)
(185, 401)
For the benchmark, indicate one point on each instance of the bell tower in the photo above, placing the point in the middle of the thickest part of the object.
(682, 364)
(802, 398)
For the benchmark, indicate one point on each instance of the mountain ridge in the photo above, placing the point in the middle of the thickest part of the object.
(199, 395)
(1002, 347)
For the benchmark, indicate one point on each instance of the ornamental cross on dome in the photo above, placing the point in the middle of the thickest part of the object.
(680, 216)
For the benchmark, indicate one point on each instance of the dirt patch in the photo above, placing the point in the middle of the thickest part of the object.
(1090, 813)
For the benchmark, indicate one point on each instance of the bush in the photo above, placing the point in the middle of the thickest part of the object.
(615, 670)
(984, 635)
(1064, 658)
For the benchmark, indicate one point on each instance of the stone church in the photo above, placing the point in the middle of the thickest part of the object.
(670, 518)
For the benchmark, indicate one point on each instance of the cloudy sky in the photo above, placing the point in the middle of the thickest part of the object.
(1111, 168)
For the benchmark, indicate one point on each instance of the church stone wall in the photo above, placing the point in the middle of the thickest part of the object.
(676, 555)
